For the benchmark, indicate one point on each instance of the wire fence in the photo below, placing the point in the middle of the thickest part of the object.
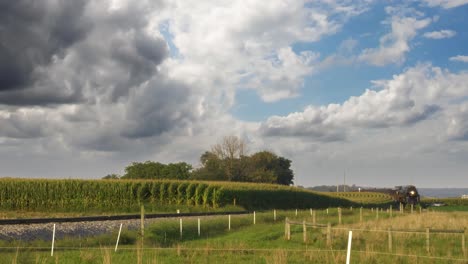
(179, 250)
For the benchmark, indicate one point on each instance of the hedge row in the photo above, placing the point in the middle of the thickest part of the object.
(82, 195)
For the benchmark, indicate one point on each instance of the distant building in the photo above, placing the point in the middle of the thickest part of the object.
(464, 196)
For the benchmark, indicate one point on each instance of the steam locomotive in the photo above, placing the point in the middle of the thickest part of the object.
(405, 195)
(401, 194)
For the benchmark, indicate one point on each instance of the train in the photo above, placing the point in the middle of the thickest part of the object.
(405, 195)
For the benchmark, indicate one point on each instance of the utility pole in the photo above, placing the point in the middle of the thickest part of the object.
(344, 180)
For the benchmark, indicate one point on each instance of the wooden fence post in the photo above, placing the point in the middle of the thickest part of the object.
(328, 234)
(287, 229)
(377, 214)
(142, 221)
(390, 239)
(199, 227)
(304, 229)
(339, 215)
(360, 214)
(311, 211)
(274, 215)
(427, 239)
(296, 212)
(463, 243)
(391, 213)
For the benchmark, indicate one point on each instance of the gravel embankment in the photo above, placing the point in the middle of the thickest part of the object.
(78, 229)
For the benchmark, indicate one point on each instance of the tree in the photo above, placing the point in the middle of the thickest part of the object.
(230, 151)
(111, 177)
(157, 170)
(212, 168)
(276, 169)
(227, 162)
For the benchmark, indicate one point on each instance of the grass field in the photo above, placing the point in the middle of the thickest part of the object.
(263, 242)
(363, 197)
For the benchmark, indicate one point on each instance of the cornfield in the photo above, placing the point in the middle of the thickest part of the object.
(118, 195)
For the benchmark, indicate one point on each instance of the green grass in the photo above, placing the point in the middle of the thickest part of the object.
(364, 197)
(450, 208)
(260, 243)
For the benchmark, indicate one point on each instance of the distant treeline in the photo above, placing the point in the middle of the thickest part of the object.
(226, 161)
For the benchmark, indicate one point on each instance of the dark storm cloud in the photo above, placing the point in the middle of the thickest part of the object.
(31, 33)
(18, 125)
(97, 67)
(170, 107)
(139, 54)
(61, 52)
(314, 132)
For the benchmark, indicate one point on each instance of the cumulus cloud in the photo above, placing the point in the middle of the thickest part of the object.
(92, 66)
(394, 45)
(441, 34)
(32, 37)
(251, 41)
(407, 99)
(446, 3)
(460, 58)
(458, 124)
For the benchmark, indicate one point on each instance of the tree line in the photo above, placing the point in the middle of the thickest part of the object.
(226, 161)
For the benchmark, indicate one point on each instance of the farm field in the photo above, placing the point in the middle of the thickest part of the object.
(363, 197)
(264, 241)
(126, 196)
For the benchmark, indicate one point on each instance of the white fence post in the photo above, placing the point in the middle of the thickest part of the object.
(254, 218)
(180, 220)
(229, 226)
(53, 241)
(118, 238)
(348, 254)
(274, 215)
(198, 226)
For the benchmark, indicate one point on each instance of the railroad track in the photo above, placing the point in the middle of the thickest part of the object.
(27, 221)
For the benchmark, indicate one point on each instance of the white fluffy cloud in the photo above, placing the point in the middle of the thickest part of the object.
(409, 98)
(458, 123)
(251, 42)
(394, 45)
(441, 34)
(446, 3)
(460, 58)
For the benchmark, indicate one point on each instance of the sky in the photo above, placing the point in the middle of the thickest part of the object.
(374, 90)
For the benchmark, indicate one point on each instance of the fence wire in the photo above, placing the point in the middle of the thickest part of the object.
(180, 249)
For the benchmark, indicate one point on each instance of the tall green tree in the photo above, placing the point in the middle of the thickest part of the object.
(157, 170)
(212, 169)
(265, 166)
